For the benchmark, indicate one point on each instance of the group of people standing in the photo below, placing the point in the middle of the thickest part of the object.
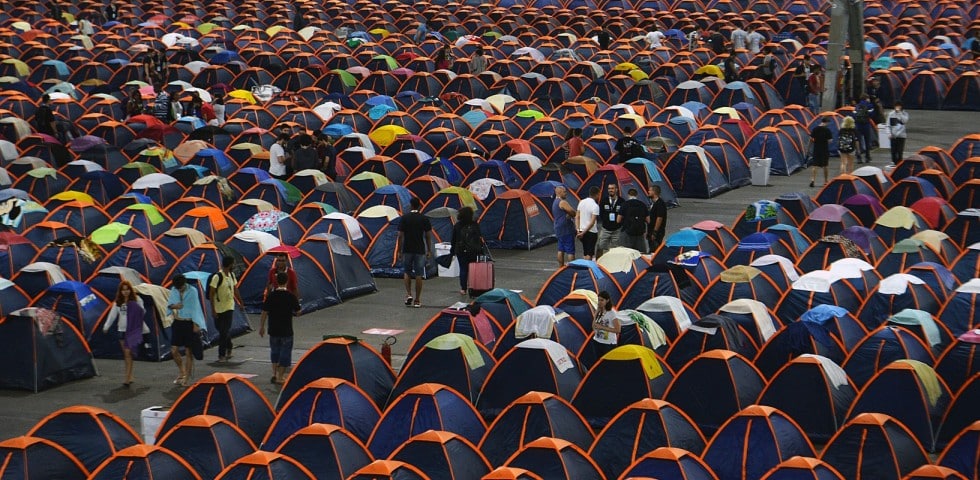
(188, 323)
(602, 223)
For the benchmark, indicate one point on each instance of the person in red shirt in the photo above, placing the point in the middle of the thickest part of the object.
(282, 265)
(574, 145)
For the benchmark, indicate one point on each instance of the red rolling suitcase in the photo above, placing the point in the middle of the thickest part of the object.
(480, 278)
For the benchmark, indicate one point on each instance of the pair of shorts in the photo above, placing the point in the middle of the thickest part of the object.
(566, 244)
(588, 243)
(414, 264)
(182, 334)
(609, 239)
(281, 351)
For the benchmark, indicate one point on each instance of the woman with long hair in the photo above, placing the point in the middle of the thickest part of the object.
(127, 312)
(606, 326)
(847, 143)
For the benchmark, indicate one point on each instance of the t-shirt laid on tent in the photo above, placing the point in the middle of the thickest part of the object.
(413, 227)
(280, 304)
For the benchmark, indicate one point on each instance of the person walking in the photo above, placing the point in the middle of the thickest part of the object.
(658, 219)
(635, 221)
(127, 312)
(897, 133)
(605, 326)
(223, 287)
(466, 244)
(563, 213)
(820, 139)
(610, 220)
(415, 237)
(864, 114)
(847, 144)
(278, 309)
(585, 220)
(186, 329)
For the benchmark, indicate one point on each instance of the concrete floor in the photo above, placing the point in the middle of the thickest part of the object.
(518, 270)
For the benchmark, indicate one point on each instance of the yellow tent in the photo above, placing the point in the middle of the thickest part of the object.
(637, 75)
(244, 95)
(386, 135)
(500, 101)
(273, 30)
(206, 28)
(625, 67)
(72, 195)
(644, 355)
(710, 70)
(22, 69)
(380, 31)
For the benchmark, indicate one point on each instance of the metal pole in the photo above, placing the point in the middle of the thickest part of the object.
(835, 48)
(856, 50)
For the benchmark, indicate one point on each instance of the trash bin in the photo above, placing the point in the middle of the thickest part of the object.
(443, 248)
(883, 140)
(760, 170)
(150, 420)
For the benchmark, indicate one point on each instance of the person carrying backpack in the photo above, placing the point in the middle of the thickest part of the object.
(864, 123)
(847, 144)
(634, 219)
(467, 244)
(162, 108)
(223, 294)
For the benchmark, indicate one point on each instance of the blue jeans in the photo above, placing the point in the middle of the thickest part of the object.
(414, 264)
(281, 351)
(813, 101)
(865, 133)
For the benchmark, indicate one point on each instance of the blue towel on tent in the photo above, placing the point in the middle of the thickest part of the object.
(378, 112)
(337, 130)
(821, 313)
(591, 266)
(140, 198)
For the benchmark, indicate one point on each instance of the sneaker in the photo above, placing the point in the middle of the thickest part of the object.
(811, 184)
(408, 300)
(417, 304)
(222, 359)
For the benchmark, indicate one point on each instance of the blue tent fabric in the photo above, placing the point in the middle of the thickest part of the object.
(425, 407)
(326, 400)
(39, 359)
(753, 442)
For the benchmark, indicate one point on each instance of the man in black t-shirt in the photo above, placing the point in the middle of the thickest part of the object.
(279, 307)
(820, 139)
(610, 220)
(44, 120)
(634, 221)
(415, 238)
(657, 228)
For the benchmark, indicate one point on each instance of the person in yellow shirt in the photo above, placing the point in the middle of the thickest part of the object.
(224, 296)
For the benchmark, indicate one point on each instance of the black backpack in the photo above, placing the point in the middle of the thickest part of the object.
(208, 289)
(470, 241)
(861, 113)
(633, 218)
(845, 141)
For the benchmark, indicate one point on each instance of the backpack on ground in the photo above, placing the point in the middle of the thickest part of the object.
(861, 113)
(845, 141)
(471, 241)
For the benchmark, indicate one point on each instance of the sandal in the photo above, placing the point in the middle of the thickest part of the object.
(179, 380)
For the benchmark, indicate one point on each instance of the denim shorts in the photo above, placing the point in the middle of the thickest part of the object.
(281, 351)
(414, 264)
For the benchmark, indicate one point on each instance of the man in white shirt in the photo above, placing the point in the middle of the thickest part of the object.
(739, 38)
(654, 39)
(585, 222)
(755, 41)
(277, 157)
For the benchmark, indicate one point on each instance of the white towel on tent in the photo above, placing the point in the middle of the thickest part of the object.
(850, 267)
(816, 281)
(655, 333)
(674, 305)
(350, 223)
(784, 263)
(539, 321)
(704, 330)
(160, 296)
(746, 306)
(265, 240)
(55, 274)
(618, 259)
(898, 284)
(973, 286)
(557, 353)
(836, 374)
